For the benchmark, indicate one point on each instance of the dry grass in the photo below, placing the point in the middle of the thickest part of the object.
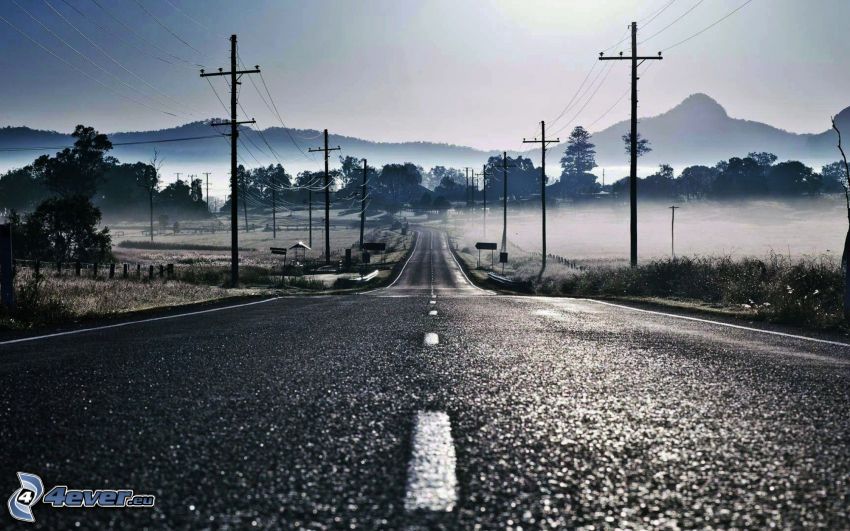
(58, 299)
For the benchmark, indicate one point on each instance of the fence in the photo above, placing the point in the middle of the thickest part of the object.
(96, 270)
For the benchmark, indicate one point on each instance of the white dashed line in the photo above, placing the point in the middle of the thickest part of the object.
(432, 312)
(431, 339)
(431, 479)
(433, 302)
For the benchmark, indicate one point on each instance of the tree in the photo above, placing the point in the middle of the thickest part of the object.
(764, 159)
(642, 144)
(578, 160)
(20, 190)
(580, 155)
(660, 184)
(832, 177)
(63, 229)
(793, 178)
(77, 170)
(696, 181)
(845, 256)
(740, 178)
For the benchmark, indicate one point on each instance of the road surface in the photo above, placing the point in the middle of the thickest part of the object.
(432, 404)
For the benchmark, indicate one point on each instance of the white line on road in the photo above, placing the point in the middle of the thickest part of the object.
(431, 479)
(721, 323)
(462, 272)
(432, 312)
(415, 245)
(128, 323)
(431, 339)
(433, 302)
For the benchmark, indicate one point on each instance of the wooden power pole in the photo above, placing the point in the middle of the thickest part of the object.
(673, 231)
(543, 143)
(208, 189)
(235, 75)
(505, 167)
(363, 204)
(484, 175)
(327, 151)
(635, 62)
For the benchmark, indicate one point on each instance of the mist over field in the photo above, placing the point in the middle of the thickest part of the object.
(600, 230)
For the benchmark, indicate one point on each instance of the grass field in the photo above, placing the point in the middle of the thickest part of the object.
(201, 269)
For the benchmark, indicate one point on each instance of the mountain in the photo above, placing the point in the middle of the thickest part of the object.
(290, 146)
(696, 131)
(699, 131)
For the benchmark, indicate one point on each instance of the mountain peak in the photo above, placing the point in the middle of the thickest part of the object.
(703, 104)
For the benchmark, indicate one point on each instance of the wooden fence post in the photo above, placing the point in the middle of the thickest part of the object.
(111, 270)
(77, 268)
(7, 291)
(126, 268)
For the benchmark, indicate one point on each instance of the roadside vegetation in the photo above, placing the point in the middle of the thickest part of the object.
(806, 292)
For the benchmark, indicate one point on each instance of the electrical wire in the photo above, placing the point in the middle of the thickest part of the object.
(166, 28)
(111, 58)
(139, 142)
(716, 22)
(677, 19)
(81, 71)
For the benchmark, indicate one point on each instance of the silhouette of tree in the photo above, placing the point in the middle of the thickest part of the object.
(580, 155)
(845, 255)
(63, 229)
(792, 178)
(832, 177)
(77, 170)
(696, 181)
(642, 144)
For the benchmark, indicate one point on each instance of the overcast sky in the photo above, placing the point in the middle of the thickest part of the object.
(471, 72)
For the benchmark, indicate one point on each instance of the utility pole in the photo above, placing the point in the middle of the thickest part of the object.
(505, 167)
(208, 189)
(543, 142)
(310, 214)
(672, 231)
(234, 137)
(483, 175)
(634, 58)
(327, 151)
(178, 174)
(603, 177)
(468, 189)
(363, 204)
(274, 208)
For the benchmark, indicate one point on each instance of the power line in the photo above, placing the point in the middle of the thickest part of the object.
(586, 103)
(677, 19)
(166, 28)
(84, 56)
(716, 22)
(139, 142)
(115, 34)
(111, 58)
(277, 113)
(645, 22)
(81, 71)
(141, 37)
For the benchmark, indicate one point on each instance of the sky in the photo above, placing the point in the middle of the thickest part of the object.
(481, 73)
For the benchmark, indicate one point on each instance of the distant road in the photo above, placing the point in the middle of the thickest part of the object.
(432, 403)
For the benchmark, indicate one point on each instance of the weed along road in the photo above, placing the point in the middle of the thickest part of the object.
(432, 403)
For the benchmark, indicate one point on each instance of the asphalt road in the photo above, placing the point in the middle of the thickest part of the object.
(333, 412)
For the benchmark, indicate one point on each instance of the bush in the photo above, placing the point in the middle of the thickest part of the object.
(806, 292)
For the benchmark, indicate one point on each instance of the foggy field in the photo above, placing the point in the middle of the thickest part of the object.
(600, 232)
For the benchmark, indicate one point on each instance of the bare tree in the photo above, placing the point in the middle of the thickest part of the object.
(845, 255)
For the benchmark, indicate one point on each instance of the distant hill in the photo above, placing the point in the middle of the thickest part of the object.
(697, 131)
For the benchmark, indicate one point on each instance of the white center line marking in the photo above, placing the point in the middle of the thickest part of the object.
(433, 302)
(431, 339)
(431, 479)
(432, 312)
